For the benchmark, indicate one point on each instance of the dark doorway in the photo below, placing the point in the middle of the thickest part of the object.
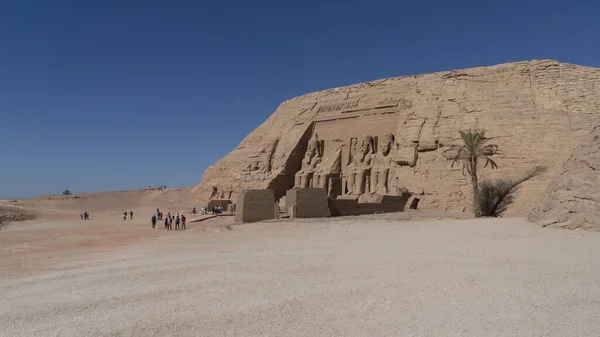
(414, 203)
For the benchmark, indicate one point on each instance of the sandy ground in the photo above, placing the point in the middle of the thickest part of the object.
(344, 277)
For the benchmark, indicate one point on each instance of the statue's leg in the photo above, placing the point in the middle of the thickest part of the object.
(323, 178)
(298, 181)
(304, 181)
(360, 182)
(374, 182)
(307, 179)
(351, 179)
(382, 182)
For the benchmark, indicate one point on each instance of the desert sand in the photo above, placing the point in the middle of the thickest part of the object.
(382, 275)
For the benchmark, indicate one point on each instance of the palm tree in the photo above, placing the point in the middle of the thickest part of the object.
(474, 150)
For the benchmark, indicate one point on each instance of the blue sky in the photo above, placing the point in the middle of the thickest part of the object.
(108, 95)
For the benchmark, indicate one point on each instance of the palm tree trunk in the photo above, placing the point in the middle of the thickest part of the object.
(474, 181)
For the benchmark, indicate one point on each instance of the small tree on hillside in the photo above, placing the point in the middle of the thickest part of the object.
(66, 192)
(474, 150)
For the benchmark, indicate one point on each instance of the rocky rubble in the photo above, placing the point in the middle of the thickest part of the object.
(572, 199)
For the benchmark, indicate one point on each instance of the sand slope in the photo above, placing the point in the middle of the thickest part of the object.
(109, 204)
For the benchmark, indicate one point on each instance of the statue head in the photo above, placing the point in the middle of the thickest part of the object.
(313, 146)
(353, 145)
(385, 146)
(367, 145)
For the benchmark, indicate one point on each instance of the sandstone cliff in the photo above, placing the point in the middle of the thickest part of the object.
(572, 200)
(537, 111)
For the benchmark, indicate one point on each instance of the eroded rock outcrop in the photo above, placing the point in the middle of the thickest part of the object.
(572, 199)
(538, 111)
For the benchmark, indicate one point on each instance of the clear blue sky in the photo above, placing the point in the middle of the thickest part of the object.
(107, 95)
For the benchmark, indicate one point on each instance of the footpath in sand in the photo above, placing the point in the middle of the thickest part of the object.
(337, 277)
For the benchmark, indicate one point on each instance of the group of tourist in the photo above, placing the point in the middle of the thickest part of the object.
(213, 210)
(125, 215)
(161, 187)
(85, 215)
(179, 220)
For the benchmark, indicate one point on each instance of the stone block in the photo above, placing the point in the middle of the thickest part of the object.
(341, 207)
(394, 203)
(307, 202)
(255, 205)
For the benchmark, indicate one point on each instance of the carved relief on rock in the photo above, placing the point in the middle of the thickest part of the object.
(312, 157)
(428, 140)
(261, 162)
(353, 150)
(415, 135)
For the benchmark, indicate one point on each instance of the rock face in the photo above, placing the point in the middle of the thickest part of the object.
(10, 214)
(388, 136)
(573, 198)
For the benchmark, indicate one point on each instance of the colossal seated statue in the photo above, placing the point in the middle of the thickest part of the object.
(382, 161)
(330, 167)
(312, 158)
(360, 166)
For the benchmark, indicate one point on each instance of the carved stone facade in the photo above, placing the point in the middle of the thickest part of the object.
(339, 139)
(371, 158)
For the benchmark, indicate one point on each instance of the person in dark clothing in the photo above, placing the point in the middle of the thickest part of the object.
(177, 221)
(131, 215)
(182, 221)
(166, 224)
(153, 221)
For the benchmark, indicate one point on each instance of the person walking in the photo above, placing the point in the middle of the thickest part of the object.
(182, 221)
(169, 223)
(166, 224)
(153, 221)
(131, 215)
